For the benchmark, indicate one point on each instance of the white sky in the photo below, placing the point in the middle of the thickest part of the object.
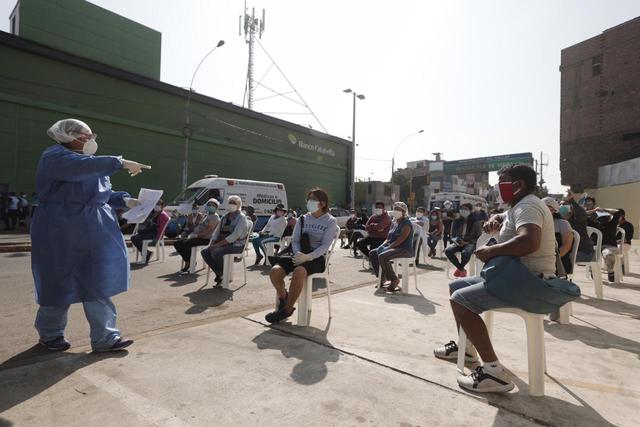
(480, 77)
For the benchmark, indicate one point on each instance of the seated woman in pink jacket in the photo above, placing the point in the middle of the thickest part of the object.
(152, 228)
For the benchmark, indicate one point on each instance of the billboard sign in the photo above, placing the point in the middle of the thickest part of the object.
(485, 164)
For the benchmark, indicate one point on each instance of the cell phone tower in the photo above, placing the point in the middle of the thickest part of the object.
(250, 26)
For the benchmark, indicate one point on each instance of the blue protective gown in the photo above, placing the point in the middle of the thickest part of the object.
(78, 252)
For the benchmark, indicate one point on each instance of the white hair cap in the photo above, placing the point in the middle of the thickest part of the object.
(213, 201)
(236, 199)
(67, 130)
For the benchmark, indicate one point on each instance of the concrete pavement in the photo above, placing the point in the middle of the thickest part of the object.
(371, 364)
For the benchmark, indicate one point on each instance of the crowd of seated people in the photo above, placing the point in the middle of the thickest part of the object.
(465, 230)
(537, 231)
(228, 238)
(151, 229)
(271, 233)
(377, 229)
(204, 226)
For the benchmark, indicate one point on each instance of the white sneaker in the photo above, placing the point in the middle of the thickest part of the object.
(481, 382)
(450, 352)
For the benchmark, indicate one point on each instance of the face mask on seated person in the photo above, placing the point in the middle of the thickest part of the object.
(464, 213)
(312, 205)
(397, 214)
(419, 214)
(565, 211)
(212, 209)
(434, 218)
(233, 207)
(377, 211)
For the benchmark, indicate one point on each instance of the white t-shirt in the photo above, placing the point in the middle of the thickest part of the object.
(532, 210)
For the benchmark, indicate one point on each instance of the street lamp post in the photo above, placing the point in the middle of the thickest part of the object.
(186, 130)
(352, 191)
(393, 159)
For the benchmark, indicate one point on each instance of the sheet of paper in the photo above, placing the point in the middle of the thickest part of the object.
(148, 199)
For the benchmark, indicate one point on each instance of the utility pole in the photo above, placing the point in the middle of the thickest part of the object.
(541, 164)
(251, 26)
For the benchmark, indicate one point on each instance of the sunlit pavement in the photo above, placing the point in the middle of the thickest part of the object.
(205, 357)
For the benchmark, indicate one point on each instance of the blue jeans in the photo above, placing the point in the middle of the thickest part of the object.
(52, 321)
(258, 243)
(467, 250)
(471, 293)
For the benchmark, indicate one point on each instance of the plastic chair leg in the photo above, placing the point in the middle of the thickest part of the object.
(462, 348)
(535, 348)
(326, 280)
(405, 277)
(565, 312)
(193, 262)
(617, 269)
(488, 321)
(415, 275)
(227, 271)
(244, 269)
(145, 244)
(304, 304)
(625, 262)
(596, 272)
(206, 283)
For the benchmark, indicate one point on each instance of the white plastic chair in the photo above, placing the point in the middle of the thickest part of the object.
(196, 250)
(595, 267)
(475, 265)
(227, 269)
(567, 309)
(270, 248)
(305, 299)
(406, 264)
(619, 260)
(145, 246)
(535, 346)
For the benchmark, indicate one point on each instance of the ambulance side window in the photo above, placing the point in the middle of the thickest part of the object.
(214, 193)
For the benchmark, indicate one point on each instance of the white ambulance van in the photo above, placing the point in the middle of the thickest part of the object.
(262, 195)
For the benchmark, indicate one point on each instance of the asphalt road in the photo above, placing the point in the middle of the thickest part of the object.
(159, 299)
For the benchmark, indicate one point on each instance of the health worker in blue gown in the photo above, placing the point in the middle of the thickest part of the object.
(78, 252)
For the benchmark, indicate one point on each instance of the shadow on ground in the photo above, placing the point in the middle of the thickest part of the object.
(592, 336)
(203, 299)
(419, 303)
(38, 377)
(545, 409)
(613, 306)
(313, 353)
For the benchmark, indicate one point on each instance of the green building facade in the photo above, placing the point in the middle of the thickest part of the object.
(142, 119)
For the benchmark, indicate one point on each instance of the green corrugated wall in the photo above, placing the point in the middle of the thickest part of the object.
(87, 30)
(144, 124)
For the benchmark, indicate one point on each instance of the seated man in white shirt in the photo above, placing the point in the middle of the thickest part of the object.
(526, 231)
(272, 232)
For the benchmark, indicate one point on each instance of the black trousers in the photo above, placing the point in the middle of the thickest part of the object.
(183, 247)
(369, 243)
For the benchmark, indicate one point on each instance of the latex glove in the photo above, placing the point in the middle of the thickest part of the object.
(301, 258)
(134, 168)
(130, 202)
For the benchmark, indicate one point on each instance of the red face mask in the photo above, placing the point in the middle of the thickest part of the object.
(506, 191)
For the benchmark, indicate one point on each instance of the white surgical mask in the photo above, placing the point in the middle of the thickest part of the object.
(377, 211)
(464, 213)
(90, 147)
(419, 214)
(312, 205)
(397, 214)
(233, 208)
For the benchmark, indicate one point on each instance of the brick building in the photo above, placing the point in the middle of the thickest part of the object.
(600, 104)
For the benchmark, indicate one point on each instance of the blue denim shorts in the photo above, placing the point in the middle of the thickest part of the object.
(471, 293)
